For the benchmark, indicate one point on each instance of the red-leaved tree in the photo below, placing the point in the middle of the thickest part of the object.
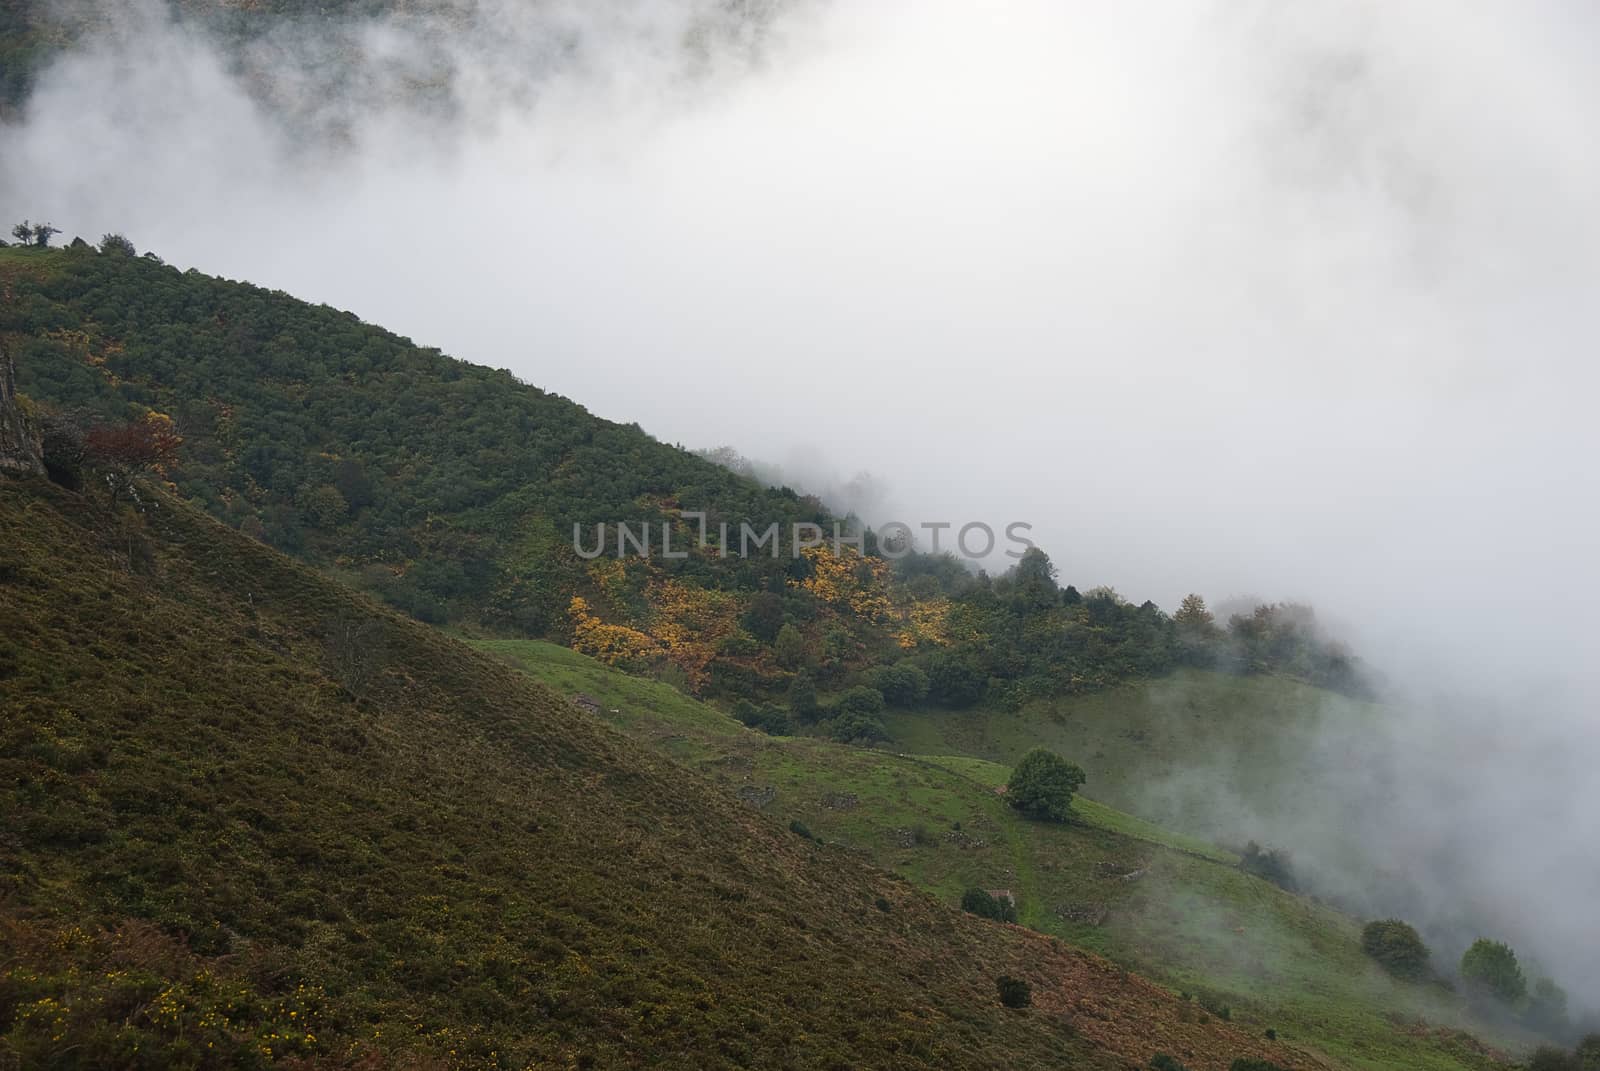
(124, 450)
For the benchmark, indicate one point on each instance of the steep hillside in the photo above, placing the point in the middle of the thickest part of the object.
(253, 821)
(1175, 908)
(453, 491)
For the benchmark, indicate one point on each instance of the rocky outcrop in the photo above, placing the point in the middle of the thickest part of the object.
(21, 450)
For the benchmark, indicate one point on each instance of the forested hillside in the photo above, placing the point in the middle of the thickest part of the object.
(452, 491)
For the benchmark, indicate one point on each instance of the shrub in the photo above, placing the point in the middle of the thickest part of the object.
(954, 681)
(1163, 1062)
(1014, 992)
(1397, 947)
(979, 902)
(803, 697)
(1588, 1052)
(901, 685)
(798, 828)
(849, 728)
(1213, 1004)
(738, 645)
(1268, 864)
(859, 700)
(764, 617)
(1043, 784)
(1491, 967)
(766, 718)
(1250, 1063)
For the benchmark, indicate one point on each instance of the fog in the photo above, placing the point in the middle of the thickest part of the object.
(1301, 301)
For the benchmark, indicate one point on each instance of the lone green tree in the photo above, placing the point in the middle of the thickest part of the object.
(1491, 966)
(1043, 785)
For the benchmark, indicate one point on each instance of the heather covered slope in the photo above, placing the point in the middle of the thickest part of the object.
(252, 820)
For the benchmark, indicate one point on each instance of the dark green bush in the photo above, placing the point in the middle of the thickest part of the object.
(1268, 864)
(1491, 967)
(859, 700)
(902, 684)
(802, 697)
(1397, 947)
(954, 681)
(979, 902)
(1163, 1062)
(853, 727)
(765, 717)
(1014, 992)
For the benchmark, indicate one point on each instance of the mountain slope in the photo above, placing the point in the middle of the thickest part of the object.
(248, 825)
(454, 492)
(1172, 907)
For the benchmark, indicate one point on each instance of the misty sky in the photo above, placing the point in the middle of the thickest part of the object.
(1300, 302)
